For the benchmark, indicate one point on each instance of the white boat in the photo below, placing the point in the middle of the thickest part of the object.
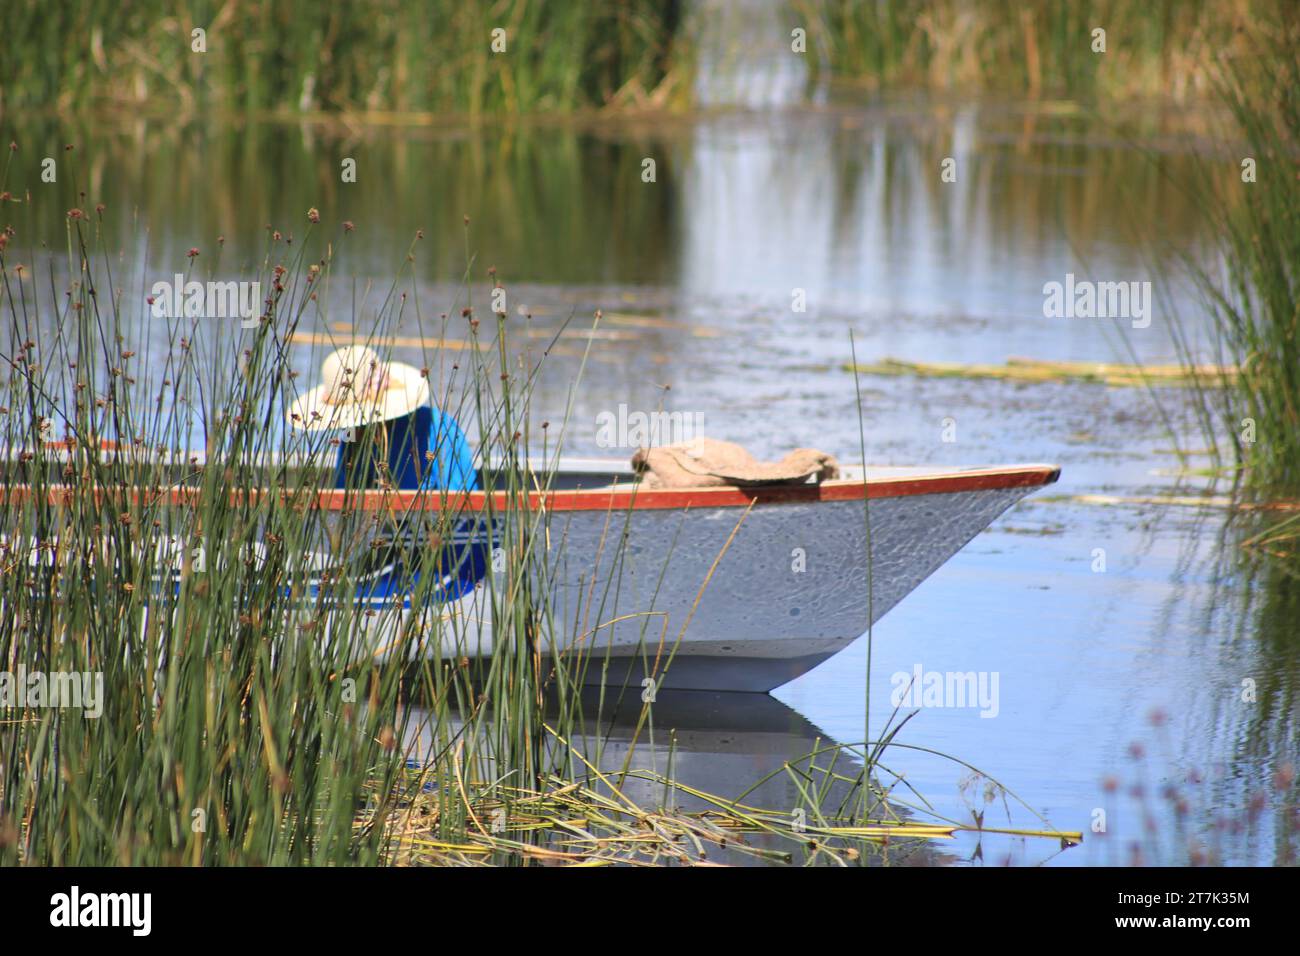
(711, 588)
(719, 588)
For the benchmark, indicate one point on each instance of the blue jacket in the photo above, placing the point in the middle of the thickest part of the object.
(409, 437)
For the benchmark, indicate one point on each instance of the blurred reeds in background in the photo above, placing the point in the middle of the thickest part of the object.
(394, 56)
(1038, 48)
(437, 59)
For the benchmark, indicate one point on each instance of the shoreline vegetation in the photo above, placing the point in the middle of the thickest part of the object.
(298, 58)
(362, 62)
(1158, 49)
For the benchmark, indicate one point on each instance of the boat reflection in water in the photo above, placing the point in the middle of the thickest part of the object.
(729, 746)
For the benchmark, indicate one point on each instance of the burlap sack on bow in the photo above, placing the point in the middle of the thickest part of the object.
(707, 462)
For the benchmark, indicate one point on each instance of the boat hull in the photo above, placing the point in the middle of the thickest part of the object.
(723, 588)
(732, 597)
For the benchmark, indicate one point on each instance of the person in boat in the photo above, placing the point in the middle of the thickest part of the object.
(392, 435)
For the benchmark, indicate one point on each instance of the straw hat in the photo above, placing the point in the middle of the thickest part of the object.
(359, 389)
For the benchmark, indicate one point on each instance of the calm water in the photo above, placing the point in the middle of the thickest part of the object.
(697, 273)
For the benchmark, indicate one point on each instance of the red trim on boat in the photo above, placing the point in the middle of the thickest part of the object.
(646, 499)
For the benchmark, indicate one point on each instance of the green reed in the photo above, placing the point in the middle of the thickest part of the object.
(1252, 420)
(403, 57)
(160, 525)
(1160, 48)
